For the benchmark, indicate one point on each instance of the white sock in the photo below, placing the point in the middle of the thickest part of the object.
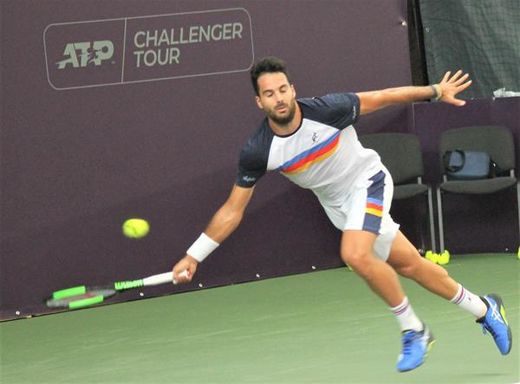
(406, 316)
(469, 302)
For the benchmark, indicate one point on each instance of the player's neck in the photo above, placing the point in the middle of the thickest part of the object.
(289, 128)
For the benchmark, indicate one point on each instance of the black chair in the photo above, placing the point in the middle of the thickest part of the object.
(498, 143)
(401, 154)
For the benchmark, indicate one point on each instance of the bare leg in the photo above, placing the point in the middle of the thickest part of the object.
(407, 262)
(356, 251)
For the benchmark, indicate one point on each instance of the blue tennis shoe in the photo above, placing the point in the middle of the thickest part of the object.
(416, 345)
(494, 322)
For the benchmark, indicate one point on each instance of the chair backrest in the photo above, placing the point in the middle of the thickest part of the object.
(497, 141)
(400, 153)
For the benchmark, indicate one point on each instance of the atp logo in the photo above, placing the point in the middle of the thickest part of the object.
(82, 54)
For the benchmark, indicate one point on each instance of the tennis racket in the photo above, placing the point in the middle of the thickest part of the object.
(85, 296)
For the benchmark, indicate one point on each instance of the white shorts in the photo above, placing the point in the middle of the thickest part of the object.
(367, 208)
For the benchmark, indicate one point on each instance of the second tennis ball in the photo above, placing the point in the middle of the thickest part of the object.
(136, 228)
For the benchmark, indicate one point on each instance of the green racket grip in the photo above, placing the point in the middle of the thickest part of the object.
(68, 292)
(86, 302)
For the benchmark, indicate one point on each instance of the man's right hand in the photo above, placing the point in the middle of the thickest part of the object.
(187, 263)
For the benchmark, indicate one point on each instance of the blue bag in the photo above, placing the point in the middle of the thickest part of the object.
(468, 165)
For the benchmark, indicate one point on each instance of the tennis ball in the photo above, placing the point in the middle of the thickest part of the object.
(136, 228)
(444, 258)
(433, 257)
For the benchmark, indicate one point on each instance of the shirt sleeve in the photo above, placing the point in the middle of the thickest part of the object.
(250, 170)
(252, 164)
(336, 109)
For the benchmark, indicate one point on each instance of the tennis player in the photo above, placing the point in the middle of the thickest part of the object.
(312, 142)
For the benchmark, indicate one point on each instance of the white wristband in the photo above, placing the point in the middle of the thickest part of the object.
(202, 247)
(438, 91)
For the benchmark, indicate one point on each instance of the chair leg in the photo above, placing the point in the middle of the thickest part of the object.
(440, 218)
(432, 224)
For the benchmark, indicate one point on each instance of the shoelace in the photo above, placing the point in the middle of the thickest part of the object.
(495, 313)
(496, 316)
(408, 338)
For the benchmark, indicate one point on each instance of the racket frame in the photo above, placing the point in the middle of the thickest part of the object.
(64, 298)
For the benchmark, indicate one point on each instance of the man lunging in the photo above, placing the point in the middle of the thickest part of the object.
(312, 142)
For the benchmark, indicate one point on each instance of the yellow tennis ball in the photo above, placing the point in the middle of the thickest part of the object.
(444, 258)
(136, 228)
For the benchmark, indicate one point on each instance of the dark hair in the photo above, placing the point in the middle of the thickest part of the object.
(268, 64)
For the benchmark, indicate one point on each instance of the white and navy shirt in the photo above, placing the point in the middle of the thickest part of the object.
(323, 154)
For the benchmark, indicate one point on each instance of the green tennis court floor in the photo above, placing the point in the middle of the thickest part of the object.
(321, 327)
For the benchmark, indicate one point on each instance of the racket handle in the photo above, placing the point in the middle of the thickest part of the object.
(162, 278)
(184, 273)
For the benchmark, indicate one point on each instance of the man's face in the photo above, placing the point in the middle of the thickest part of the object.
(277, 98)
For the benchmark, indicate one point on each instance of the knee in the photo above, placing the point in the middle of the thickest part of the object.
(408, 264)
(358, 260)
(418, 266)
(408, 270)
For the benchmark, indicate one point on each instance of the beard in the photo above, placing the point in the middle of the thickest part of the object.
(283, 119)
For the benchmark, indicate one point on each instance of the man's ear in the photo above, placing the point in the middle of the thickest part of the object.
(258, 102)
(294, 90)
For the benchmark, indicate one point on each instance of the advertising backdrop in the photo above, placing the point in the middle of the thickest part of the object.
(118, 109)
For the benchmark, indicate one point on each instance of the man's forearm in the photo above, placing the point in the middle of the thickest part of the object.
(446, 90)
(374, 100)
(223, 224)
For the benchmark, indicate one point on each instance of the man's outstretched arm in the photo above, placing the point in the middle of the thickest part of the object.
(222, 224)
(446, 90)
